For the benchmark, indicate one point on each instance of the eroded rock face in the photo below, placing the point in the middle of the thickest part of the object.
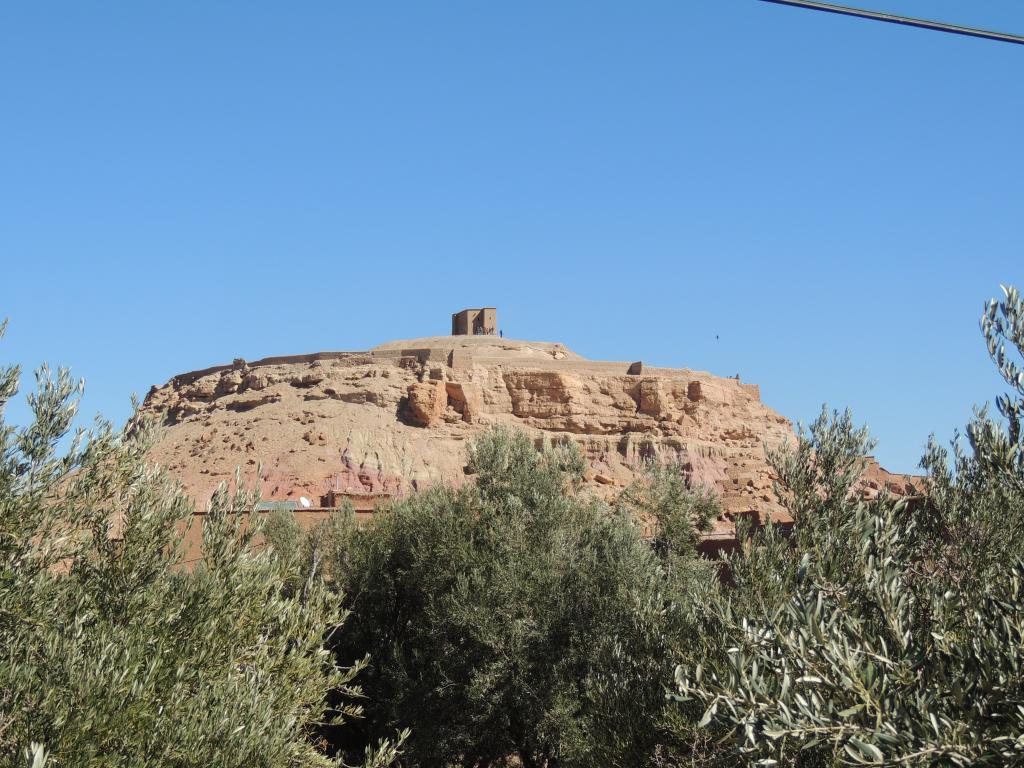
(426, 402)
(397, 419)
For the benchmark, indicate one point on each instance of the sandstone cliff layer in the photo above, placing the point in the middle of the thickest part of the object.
(396, 419)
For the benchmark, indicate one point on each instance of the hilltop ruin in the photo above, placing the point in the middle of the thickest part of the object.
(367, 426)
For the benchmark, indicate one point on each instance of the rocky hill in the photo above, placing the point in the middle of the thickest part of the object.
(396, 419)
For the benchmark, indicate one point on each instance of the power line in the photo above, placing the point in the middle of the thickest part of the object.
(907, 21)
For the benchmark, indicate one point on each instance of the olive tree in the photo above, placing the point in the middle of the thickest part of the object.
(884, 631)
(513, 618)
(112, 651)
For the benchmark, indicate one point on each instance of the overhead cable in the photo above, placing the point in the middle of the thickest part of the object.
(891, 18)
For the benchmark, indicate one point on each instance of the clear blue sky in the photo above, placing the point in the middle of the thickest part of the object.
(818, 203)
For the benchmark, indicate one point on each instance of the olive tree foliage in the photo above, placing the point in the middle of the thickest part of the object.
(511, 619)
(1002, 324)
(885, 631)
(111, 651)
(677, 513)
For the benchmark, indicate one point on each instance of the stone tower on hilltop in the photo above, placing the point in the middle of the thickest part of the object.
(475, 322)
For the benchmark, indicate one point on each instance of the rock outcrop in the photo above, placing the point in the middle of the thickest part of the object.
(397, 418)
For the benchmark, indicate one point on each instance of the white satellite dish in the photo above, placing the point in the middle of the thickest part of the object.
(304, 502)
